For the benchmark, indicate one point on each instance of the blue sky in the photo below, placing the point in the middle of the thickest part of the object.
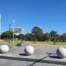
(46, 14)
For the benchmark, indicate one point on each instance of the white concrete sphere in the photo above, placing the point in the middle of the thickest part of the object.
(4, 48)
(61, 52)
(29, 50)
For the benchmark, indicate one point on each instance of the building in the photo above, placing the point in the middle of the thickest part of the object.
(17, 30)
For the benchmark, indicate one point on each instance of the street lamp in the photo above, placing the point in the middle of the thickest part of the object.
(13, 29)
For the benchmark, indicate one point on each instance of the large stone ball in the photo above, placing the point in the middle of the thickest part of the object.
(4, 48)
(29, 50)
(61, 52)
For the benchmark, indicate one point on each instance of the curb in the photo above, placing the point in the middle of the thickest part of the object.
(33, 60)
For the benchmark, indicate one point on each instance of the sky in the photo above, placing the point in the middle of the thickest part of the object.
(47, 14)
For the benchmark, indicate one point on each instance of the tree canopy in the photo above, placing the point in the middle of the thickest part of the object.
(36, 34)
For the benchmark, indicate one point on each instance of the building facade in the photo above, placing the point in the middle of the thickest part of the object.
(17, 30)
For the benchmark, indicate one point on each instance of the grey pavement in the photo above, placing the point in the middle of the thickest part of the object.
(7, 62)
(43, 56)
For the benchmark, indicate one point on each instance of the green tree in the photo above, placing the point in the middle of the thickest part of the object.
(37, 32)
(57, 37)
(21, 36)
(7, 35)
(46, 37)
(63, 37)
(28, 36)
(53, 36)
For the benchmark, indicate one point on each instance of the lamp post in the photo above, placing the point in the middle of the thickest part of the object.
(13, 29)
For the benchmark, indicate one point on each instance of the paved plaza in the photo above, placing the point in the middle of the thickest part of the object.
(43, 56)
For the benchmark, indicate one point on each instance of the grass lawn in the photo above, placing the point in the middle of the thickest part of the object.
(46, 42)
(37, 42)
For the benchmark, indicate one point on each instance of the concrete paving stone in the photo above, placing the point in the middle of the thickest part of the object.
(43, 56)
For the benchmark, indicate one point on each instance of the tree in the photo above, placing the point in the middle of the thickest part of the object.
(46, 37)
(28, 36)
(37, 33)
(7, 35)
(63, 37)
(57, 37)
(53, 35)
(21, 36)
